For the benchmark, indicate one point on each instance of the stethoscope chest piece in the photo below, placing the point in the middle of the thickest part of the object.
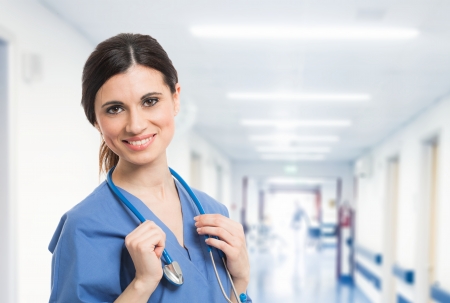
(173, 273)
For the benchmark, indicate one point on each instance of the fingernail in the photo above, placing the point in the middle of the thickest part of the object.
(198, 229)
(196, 218)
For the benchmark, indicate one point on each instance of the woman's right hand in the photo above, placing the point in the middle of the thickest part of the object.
(145, 245)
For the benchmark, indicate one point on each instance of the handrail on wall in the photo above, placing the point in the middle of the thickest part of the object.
(406, 275)
(366, 273)
(372, 256)
(438, 294)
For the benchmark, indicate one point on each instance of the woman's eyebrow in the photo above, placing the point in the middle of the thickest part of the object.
(150, 95)
(112, 103)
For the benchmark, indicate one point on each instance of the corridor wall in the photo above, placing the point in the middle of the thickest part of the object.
(373, 208)
(211, 159)
(54, 149)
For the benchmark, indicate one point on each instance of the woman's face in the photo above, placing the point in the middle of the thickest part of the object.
(135, 113)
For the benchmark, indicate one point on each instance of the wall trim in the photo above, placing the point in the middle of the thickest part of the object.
(368, 254)
(438, 294)
(366, 273)
(401, 299)
(406, 275)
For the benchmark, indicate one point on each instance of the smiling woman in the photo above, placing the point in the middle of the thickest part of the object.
(135, 111)
(114, 57)
(131, 95)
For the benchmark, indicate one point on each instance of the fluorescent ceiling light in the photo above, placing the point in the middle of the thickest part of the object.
(296, 123)
(293, 138)
(302, 33)
(294, 181)
(299, 97)
(288, 149)
(304, 157)
(290, 169)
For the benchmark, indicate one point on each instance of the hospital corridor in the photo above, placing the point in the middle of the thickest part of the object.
(308, 143)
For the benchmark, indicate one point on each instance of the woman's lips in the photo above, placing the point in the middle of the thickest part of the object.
(139, 143)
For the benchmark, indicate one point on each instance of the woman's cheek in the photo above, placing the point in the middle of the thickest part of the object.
(111, 134)
(167, 123)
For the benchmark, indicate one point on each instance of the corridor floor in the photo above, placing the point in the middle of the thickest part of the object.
(307, 276)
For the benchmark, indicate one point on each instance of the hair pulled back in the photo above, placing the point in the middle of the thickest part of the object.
(115, 56)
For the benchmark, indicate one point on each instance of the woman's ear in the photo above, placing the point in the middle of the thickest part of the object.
(176, 99)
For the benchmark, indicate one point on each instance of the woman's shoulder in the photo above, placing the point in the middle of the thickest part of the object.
(96, 204)
(91, 215)
(210, 204)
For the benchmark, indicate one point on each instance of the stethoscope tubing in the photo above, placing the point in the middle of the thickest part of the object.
(116, 191)
(167, 259)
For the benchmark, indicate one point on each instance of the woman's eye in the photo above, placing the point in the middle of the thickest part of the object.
(150, 102)
(114, 110)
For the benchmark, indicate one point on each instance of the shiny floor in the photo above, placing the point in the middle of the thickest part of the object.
(288, 272)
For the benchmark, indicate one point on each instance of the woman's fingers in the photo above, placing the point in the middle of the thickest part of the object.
(231, 234)
(231, 241)
(220, 232)
(216, 220)
(145, 245)
(147, 237)
(144, 229)
(228, 250)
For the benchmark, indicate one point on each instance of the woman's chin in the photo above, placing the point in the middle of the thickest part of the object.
(143, 160)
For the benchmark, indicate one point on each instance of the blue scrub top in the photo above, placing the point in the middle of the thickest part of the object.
(90, 262)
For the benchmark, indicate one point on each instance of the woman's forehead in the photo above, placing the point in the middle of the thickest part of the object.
(133, 84)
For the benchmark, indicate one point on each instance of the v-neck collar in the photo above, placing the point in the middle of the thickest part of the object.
(196, 256)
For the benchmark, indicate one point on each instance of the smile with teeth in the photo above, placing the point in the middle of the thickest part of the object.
(140, 142)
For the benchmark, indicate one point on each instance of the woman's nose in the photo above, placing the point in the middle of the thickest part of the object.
(136, 122)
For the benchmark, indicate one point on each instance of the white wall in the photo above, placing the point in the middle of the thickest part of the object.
(6, 254)
(54, 148)
(329, 210)
(252, 215)
(413, 212)
(179, 159)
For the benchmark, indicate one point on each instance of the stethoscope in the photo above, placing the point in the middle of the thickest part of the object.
(172, 270)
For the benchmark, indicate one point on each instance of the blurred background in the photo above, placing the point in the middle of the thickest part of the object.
(323, 126)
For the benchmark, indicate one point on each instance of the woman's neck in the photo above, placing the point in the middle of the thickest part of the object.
(151, 179)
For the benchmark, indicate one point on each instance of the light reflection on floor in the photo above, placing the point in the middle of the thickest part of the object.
(296, 273)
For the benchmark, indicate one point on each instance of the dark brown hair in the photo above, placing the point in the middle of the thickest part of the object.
(115, 56)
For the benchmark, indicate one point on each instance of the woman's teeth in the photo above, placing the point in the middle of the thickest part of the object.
(139, 142)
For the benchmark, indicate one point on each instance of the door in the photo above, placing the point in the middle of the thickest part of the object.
(433, 166)
(392, 199)
(196, 171)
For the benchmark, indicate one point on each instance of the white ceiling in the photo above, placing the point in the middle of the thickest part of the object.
(403, 77)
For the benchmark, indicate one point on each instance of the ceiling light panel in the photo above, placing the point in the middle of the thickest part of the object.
(305, 97)
(287, 149)
(280, 157)
(293, 138)
(290, 181)
(303, 33)
(296, 123)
